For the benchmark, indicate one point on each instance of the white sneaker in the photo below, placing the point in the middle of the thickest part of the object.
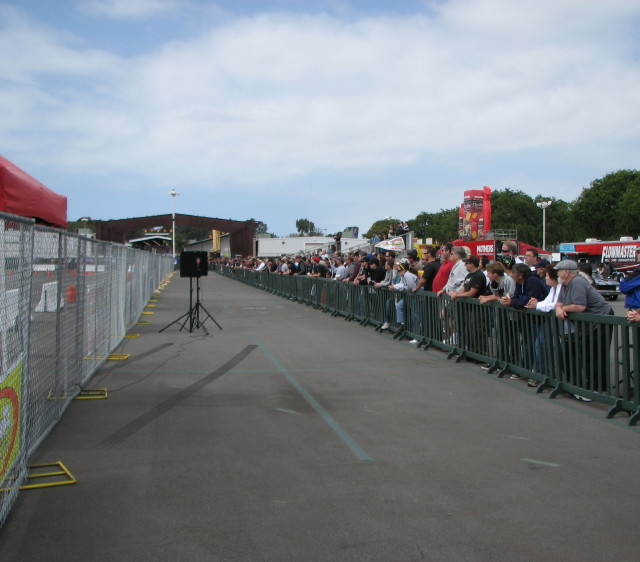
(414, 341)
(385, 326)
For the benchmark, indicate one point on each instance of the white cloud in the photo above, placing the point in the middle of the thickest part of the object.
(259, 100)
(127, 9)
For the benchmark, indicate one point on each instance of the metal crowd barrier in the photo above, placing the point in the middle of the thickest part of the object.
(590, 356)
(66, 302)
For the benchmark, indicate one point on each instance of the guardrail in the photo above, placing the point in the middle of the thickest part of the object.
(589, 356)
(66, 302)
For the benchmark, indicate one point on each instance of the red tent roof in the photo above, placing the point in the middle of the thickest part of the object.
(22, 195)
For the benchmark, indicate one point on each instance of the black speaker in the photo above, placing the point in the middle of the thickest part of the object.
(194, 264)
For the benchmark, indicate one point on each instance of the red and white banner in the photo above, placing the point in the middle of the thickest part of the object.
(394, 244)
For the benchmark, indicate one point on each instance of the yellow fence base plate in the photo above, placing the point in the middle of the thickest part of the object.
(86, 394)
(148, 312)
(36, 471)
(143, 323)
(132, 336)
(112, 357)
(119, 356)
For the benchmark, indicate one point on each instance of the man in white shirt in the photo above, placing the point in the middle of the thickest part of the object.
(458, 272)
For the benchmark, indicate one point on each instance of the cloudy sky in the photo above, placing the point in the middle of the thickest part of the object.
(339, 111)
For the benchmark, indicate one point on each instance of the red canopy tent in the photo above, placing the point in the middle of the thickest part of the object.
(22, 195)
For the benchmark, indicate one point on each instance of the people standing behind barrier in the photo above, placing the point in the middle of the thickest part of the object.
(363, 273)
(633, 316)
(329, 268)
(356, 266)
(350, 267)
(500, 283)
(389, 274)
(509, 249)
(441, 278)
(458, 272)
(284, 267)
(408, 281)
(457, 275)
(630, 287)
(389, 279)
(430, 270)
(475, 283)
(474, 336)
(340, 271)
(484, 262)
(577, 295)
(414, 260)
(541, 269)
(375, 239)
(376, 272)
(318, 269)
(528, 286)
(299, 266)
(546, 305)
(586, 270)
(531, 258)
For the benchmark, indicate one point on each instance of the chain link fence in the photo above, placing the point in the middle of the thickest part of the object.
(66, 302)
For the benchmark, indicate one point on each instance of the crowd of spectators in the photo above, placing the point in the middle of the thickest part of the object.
(528, 283)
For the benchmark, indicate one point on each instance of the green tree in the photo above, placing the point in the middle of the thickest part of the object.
(81, 223)
(511, 209)
(381, 227)
(604, 210)
(629, 215)
(441, 226)
(305, 226)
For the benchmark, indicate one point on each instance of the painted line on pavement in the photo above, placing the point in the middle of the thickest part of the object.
(353, 446)
(534, 461)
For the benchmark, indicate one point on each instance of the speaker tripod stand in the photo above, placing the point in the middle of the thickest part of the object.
(192, 316)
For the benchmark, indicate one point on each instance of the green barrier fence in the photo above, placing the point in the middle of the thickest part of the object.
(590, 356)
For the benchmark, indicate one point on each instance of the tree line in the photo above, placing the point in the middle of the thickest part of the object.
(608, 209)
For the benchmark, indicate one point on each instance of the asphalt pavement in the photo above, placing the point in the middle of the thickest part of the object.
(293, 435)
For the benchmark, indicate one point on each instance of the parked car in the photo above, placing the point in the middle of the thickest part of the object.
(608, 288)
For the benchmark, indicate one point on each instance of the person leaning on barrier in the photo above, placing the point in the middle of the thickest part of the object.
(630, 287)
(339, 270)
(283, 268)
(389, 274)
(318, 269)
(528, 286)
(474, 284)
(577, 295)
(376, 272)
(500, 283)
(409, 279)
(546, 305)
(363, 273)
(300, 266)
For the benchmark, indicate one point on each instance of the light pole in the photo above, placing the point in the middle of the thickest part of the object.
(173, 194)
(543, 205)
